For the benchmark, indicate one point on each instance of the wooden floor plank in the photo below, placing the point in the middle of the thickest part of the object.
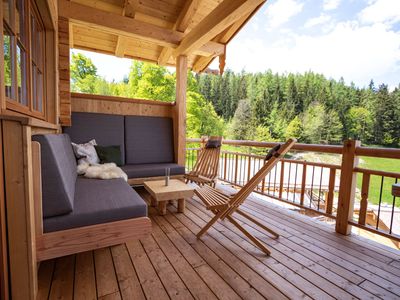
(151, 284)
(45, 277)
(325, 231)
(340, 257)
(300, 282)
(85, 280)
(126, 275)
(309, 260)
(278, 280)
(173, 284)
(337, 247)
(253, 279)
(63, 278)
(106, 280)
(241, 286)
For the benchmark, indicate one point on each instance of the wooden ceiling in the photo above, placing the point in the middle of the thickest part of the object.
(157, 30)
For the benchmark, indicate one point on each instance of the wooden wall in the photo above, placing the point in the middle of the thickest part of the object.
(64, 75)
(120, 106)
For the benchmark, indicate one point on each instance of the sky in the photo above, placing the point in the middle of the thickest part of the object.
(358, 40)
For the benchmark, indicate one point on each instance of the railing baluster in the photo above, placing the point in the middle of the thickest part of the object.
(282, 178)
(236, 167)
(312, 186)
(320, 187)
(380, 202)
(331, 191)
(392, 215)
(295, 183)
(288, 186)
(248, 169)
(303, 184)
(362, 214)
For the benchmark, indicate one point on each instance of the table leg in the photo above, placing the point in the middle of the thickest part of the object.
(181, 205)
(162, 208)
(153, 202)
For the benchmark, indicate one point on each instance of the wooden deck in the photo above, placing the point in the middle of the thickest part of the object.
(309, 260)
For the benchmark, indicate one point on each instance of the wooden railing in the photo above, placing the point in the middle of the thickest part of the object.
(316, 187)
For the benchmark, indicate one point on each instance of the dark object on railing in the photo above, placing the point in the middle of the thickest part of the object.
(273, 152)
(213, 143)
(396, 190)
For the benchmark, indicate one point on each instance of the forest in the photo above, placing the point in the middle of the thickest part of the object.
(261, 106)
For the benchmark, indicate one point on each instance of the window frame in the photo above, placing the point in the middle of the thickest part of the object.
(30, 11)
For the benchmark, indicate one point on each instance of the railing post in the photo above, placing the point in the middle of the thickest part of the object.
(347, 188)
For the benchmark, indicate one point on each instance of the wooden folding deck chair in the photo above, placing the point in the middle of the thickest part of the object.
(223, 206)
(205, 170)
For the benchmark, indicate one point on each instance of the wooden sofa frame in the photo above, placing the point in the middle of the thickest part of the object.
(75, 240)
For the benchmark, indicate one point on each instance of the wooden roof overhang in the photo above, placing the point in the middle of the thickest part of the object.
(158, 30)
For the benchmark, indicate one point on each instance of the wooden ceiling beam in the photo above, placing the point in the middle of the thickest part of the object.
(180, 25)
(130, 8)
(122, 43)
(128, 27)
(224, 15)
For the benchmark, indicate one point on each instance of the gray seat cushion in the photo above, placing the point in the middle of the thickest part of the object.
(99, 201)
(152, 170)
(58, 173)
(107, 130)
(149, 140)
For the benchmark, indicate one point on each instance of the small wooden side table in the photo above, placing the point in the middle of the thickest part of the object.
(161, 194)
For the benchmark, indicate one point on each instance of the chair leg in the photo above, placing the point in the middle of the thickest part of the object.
(276, 235)
(209, 224)
(249, 235)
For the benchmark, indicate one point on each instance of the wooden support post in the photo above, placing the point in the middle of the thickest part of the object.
(331, 191)
(348, 184)
(17, 153)
(180, 109)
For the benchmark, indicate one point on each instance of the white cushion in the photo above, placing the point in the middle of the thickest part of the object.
(86, 153)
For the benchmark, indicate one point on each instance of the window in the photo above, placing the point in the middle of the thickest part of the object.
(23, 45)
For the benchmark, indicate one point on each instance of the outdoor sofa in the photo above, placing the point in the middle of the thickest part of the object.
(80, 214)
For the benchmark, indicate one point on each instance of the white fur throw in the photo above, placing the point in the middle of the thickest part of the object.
(103, 171)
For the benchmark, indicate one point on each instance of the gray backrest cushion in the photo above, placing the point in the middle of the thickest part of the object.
(149, 140)
(107, 130)
(58, 174)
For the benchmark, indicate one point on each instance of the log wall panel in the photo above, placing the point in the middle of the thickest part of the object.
(64, 72)
(120, 106)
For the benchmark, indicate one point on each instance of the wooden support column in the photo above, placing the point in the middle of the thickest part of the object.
(64, 71)
(17, 155)
(180, 109)
(348, 184)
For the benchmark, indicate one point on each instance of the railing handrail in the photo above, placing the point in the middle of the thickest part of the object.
(332, 149)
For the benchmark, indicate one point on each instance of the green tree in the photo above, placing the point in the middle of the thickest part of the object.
(201, 117)
(360, 123)
(242, 126)
(294, 129)
(83, 74)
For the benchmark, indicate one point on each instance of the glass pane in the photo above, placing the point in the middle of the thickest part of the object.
(20, 21)
(8, 69)
(21, 76)
(34, 89)
(40, 92)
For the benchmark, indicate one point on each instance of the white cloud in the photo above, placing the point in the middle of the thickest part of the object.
(331, 4)
(358, 53)
(322, 19)
(386, 11)
(282, 11)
